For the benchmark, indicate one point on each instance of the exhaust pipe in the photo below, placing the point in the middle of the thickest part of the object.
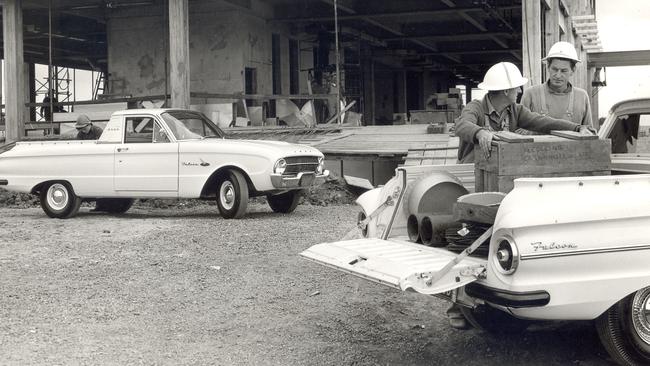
(413, 227)
(432, 229)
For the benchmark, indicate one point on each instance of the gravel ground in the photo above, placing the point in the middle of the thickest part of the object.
(180, 285)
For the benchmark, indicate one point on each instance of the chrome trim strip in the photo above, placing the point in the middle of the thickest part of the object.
(585, 252)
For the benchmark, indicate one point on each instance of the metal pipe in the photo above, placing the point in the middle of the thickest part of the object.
(338, 62)
(49, 65)
(413, 228)
(432, 229)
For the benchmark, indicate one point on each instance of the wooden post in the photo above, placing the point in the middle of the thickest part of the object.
(552, 24)
(12, 19)
(179, 54)
(532, 41)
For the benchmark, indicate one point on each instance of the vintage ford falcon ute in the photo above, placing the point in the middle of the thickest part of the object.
(160, 153)
(559, 246)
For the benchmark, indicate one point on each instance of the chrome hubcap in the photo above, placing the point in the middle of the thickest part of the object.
(227, 195)
(641, 314)
(57, 196)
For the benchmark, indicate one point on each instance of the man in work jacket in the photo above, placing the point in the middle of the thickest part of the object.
(498, 111)
(557, 97)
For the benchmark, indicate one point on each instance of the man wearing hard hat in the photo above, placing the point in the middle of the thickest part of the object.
(498, 111)
(557, 97)
(86, 130)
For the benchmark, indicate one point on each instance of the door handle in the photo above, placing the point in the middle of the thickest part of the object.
(120, 149)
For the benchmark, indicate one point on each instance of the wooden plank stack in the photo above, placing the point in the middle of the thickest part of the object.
(546, 156)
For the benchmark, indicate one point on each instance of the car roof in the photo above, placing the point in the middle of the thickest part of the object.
(631, 104)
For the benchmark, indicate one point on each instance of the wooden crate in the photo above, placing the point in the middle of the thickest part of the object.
(547, 156)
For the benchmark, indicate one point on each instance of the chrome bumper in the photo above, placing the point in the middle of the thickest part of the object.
(299, 180)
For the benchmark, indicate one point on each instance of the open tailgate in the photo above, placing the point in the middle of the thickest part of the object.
(398, 263)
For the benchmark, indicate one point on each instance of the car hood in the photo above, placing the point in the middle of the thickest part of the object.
(260, 146)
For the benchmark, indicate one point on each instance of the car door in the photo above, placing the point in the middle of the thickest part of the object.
(147, 160)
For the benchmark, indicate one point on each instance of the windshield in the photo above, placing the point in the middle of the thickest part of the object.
(187, 125)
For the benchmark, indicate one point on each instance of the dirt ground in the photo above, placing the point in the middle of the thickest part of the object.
(181, 286)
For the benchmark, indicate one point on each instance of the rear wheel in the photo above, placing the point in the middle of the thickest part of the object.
(624, 329)
(284, 202)
(493, 320)
(232, 195)
(114, 205)
(59, 201)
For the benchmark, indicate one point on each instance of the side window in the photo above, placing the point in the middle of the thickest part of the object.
(631, 134)
(138, 130)
(643, 137)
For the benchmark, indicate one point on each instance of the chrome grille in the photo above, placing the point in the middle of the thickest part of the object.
(301, 164)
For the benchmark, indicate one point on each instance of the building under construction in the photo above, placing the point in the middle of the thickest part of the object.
(249, 62)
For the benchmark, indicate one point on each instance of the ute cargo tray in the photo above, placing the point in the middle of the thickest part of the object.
(398, 263)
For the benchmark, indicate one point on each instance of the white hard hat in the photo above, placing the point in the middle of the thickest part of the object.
(502, 76)
(562, 50)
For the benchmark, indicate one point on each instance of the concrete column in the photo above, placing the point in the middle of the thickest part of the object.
(30, 91)
(532, 41)
(12, 19)
(179, 54)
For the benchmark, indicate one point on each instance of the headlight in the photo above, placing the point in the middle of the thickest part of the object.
(506, 257)
(279, 166)
(319, 169)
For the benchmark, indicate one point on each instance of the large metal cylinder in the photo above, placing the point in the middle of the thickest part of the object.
(437, 192)
(432, 229)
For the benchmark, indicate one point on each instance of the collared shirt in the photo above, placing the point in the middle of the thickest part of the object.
(499, 119)
(480, 114)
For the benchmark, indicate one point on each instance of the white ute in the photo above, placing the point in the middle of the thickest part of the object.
(561, 248)
(160, 153)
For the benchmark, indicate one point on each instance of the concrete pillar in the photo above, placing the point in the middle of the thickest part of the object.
(532, 41)
(179, 54)
(12, 19)
(30, 90)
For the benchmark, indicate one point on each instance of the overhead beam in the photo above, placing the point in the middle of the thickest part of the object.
(450, 37)
(396, 14)
(386, 28)
(470, 52)
(619, 58)
(463, 13)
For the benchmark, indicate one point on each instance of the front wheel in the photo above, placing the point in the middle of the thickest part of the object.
(232, 195)
(624, 329)
(59, 201)
(493, 320)
(284, 202)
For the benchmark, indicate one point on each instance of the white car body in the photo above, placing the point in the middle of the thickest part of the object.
(580, 245)
(114, 167)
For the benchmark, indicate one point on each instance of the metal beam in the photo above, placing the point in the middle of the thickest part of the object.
(450, 37)
(619, 58)
(389, 14)
(471, 52)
